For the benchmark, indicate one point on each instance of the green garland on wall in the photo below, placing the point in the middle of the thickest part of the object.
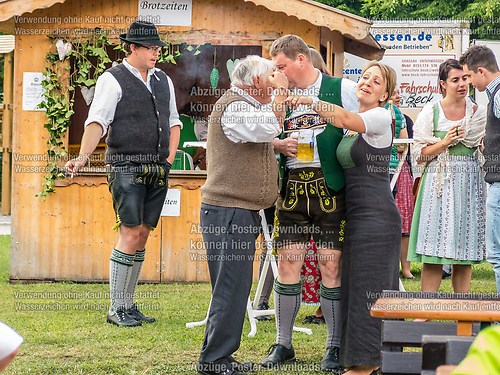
(90, 61)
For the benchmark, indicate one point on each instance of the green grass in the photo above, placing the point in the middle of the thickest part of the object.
(65, 330)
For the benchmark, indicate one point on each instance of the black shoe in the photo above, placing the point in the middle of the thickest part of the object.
(218, 368)
(446, 275)
(313, 319)
(122, 318)
(277, 355)
(331, 360)
(263, 306)
(137, 315)
(241, 366)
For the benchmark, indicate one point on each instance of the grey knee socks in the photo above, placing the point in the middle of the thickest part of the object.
(120, 270)
(134, 278)
(330, 305)
(287, 304)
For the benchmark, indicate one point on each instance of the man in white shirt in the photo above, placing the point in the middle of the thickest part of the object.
(135, 104)
(242, 178)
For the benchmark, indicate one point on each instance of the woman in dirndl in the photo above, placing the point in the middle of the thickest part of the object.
(448, 224)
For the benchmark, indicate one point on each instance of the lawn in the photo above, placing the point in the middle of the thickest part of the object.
(65, 330)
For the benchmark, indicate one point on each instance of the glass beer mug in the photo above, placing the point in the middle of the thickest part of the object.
(305, 151)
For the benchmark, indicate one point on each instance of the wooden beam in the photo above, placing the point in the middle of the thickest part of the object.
(8, 95)
(320, 15)
(199, 37)
(338, 54)
(364, 50)
(7, 27)
(464, 328)
(461, 310)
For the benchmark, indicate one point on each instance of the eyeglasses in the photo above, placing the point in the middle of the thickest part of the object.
(151, 48)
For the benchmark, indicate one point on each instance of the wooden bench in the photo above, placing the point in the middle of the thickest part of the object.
(443, 350)
(398, 335)
(464, 309)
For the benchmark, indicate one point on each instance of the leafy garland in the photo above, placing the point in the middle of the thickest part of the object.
(90, 61)
(59, 85)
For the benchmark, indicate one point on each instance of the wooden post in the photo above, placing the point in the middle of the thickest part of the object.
(464, 328)
(8, 88)
(334, 42)
(338, 51)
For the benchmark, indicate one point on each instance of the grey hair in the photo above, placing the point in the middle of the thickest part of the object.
(249, 68)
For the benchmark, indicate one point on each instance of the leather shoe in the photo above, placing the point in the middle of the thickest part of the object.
(263, 306)
(277, 355)
(122, 318)
(313, 319)
(137, 315)
(331, 360)
(218, 368)
(241, 366)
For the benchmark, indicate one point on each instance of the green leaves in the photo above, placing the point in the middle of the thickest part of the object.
(89, 58)
(482, 14)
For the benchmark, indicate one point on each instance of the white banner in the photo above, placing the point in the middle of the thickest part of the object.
(166, 12)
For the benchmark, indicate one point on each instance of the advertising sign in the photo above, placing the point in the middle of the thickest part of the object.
(415, 50)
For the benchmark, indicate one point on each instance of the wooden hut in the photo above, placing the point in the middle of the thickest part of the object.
(68, 235)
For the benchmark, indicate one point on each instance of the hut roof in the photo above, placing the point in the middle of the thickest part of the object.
(354, 29)
(10, 8)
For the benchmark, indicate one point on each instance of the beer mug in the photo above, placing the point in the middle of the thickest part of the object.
(305, 151)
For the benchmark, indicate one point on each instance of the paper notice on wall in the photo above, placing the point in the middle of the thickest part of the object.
(166, 12)
(32, 91)
(172, 203)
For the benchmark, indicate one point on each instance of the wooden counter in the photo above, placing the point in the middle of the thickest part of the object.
(74, 235)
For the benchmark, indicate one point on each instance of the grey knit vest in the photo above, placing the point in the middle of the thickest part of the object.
(242, 175)
(492, 143)
(140, 131)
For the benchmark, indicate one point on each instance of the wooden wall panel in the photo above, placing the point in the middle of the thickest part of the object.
(183, 253)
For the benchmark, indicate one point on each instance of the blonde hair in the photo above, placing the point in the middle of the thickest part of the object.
(388, 74)
(317, 61)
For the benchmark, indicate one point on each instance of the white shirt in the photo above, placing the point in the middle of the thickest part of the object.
(108, 93)
(349, 102)
(443, 123)
(242, 122)
(378, 123)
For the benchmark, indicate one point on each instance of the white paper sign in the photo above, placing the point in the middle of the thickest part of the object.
(166, 12)
(172, 204)
(32, 91)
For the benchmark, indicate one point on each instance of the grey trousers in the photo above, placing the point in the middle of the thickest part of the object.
(229, 235)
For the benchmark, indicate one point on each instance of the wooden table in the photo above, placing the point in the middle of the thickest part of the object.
(398, 305)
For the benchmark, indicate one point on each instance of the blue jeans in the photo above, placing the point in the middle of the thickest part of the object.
(493, 229)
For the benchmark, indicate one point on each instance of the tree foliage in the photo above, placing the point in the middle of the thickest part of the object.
(483, 15)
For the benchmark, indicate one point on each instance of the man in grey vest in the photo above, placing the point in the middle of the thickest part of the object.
(242, 178)
(481, 66)
(134, 103)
